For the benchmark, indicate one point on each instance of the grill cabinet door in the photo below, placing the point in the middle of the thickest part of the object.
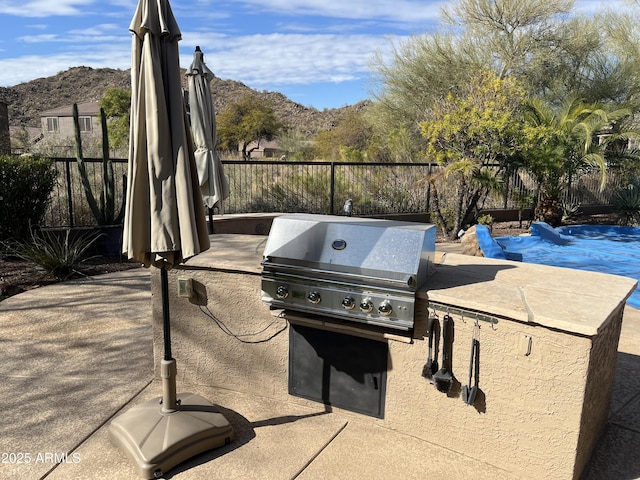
(336, 369)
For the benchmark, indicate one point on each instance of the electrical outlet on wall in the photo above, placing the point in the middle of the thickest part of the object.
(185, 287)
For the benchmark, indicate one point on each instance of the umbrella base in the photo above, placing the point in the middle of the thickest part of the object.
(157, 441)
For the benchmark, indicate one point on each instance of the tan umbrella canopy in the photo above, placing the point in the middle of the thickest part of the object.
(213, 184)
(164, 225)
(164, 218)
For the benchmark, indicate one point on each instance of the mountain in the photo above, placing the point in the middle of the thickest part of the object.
(85, 84)
(76, 85)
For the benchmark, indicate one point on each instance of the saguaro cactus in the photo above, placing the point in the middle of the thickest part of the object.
(103, 208)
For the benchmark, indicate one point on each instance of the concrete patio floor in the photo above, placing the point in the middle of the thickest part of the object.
(76, 354)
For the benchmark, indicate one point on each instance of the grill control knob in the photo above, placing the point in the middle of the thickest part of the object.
(314, 297)
(348, 303)
(366, 305)
(282, 292)
(385, 308)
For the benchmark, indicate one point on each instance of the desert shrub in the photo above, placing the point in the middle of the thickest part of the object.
(570, 209)
(26, 184)
(626, 203)
(485, 220)
(57, 254)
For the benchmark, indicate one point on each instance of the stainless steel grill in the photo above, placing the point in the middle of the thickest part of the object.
(356, 269)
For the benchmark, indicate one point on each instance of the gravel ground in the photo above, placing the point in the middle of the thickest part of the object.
(17, 276)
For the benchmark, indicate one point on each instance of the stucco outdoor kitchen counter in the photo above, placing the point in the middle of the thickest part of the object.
(547, 363)
(231, 252)
(569, 300)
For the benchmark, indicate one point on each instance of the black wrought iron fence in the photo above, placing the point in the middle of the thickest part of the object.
(68, 206)
(316, 187)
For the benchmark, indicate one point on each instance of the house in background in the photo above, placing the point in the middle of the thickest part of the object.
(58, 122)
(263, 149)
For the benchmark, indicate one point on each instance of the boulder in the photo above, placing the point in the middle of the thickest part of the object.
(469, 243)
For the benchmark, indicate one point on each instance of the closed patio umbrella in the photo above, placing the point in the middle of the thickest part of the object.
(213, 184)
(164, 225)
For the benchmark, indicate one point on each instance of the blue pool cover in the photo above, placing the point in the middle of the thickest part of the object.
(595, 248)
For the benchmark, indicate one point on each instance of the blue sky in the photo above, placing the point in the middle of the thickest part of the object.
(316, 52)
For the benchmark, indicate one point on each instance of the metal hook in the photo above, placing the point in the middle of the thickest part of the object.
(462, 317)
(476, 329)
(493, 326)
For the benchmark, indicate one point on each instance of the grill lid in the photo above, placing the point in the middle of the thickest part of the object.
(324, 244)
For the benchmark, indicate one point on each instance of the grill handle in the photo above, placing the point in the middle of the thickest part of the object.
(407, 283)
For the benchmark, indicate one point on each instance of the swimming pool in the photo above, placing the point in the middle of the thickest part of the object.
(596, 248)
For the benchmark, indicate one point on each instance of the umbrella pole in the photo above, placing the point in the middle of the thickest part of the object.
(168, 370)
(166, 324)
(211, 220)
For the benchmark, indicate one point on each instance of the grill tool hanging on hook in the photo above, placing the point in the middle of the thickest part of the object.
(431, 367)
(443, 378)
(469, 392)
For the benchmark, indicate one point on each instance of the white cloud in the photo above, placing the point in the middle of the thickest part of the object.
(98, 30)
(42, 38)
(129, 5)
(43, 8)
(23, 69)
(96, 34)
(86, 39)
(589, 7)
(261, 61)
(406, 11)
(278, 59)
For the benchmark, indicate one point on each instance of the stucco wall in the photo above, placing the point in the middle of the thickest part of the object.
(202, 341)
(528, 417)
(66, 129)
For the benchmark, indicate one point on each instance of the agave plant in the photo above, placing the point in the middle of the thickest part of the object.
(570, 209)
(626, 203)
(61, 256)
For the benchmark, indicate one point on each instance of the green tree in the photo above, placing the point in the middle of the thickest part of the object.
(295, 145)
(550, 50)
(512, 31)
(563, 141)
(503, 34)
(116, 103)
(623, 41)
(409, 80)
(469, 133)
(248, 120)
(326, 145)
(21, 140)
(350, 140)
(555, 52)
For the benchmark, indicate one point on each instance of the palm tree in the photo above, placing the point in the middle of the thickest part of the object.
(564, 142)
